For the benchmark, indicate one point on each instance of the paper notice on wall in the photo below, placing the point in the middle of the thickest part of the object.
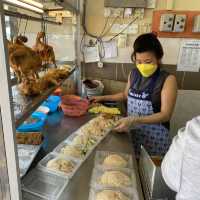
(91, 54)
(110, 49)
(189, 56)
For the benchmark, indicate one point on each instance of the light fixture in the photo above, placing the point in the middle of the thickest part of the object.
(33, 3)
(27, 4)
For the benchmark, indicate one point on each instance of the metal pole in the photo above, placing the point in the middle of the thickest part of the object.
(4, 181)
(7, 114)
(77, 45)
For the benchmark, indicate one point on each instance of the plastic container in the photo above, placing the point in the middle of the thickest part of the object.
(98, 172)
(74, 106)
(95, 191)
(95, 91)
(58, 149)
(43, 163)
(43, 185)
(26, 154)
(43, 109)
(30, 196)
(52, 103)
(101, 155)
(39, 119)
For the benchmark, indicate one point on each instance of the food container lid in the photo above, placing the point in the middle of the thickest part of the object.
(44, 185)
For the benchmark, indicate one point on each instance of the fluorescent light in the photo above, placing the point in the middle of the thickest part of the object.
(25, 5)
(33, 3)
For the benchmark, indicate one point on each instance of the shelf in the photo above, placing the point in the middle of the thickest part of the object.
(25, 106)
(70, 5)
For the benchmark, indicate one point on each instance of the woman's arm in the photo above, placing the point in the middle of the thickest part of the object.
(168, 101)
(115, 97)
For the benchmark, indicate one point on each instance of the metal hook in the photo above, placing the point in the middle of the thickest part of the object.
(18, 25)
(25, 26)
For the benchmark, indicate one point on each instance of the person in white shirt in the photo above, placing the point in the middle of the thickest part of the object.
(181, 165)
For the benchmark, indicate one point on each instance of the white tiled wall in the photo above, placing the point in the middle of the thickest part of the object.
(171, 48)
(187, 107)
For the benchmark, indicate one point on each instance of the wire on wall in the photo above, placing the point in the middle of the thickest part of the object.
(99, 38)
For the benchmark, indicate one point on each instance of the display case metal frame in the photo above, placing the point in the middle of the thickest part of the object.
(10, 184)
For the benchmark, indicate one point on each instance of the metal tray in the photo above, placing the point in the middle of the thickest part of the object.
(101, 155)
(42, 165)
(26, 155)
(43, 185)
(98, 172)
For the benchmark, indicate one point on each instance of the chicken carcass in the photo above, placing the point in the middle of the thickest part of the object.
(32, 87)
(44, 50)
(23, 60)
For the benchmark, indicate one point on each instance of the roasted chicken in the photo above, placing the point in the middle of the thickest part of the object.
(44, 50)
(23, 60)
(31, 87)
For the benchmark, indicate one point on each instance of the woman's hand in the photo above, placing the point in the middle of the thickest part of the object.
(125, 124)
(96, 99)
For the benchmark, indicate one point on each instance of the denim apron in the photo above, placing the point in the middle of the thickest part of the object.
(154, 137)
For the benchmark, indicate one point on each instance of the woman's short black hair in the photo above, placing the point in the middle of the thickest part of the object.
(148, 42)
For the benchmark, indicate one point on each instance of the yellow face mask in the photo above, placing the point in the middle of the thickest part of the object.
(147, 69)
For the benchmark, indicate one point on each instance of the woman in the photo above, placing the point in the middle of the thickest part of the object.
(151, 96)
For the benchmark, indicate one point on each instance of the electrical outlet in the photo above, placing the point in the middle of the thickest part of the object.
(180, 22)
(117, 12)
(166, 22)
(139, 13)
(196, 24)
(132, 29)
(128, 12)
(115, 28)
(122, 40)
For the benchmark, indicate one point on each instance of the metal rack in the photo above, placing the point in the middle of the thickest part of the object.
(24, 16)
(9, 168)
(31, 104)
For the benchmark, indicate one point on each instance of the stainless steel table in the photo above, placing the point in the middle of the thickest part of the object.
(59, 129)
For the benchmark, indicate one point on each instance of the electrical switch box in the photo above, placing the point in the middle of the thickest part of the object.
(180, 23)
(196, 24)
(166, 22)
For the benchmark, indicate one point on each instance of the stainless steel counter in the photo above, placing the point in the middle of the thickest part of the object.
(59, 128)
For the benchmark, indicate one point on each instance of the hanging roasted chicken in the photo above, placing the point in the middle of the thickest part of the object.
(27, 62)
(24, 61)
(44, 50)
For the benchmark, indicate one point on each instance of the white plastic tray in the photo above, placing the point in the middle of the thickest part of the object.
(30, 196)
(94, 192)
(64, 144)
(26, 155)
(42, 165)
(43, 185)
(101, 155)
(98, 172)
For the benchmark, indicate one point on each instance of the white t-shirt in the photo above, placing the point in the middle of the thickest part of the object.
(181, 165)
